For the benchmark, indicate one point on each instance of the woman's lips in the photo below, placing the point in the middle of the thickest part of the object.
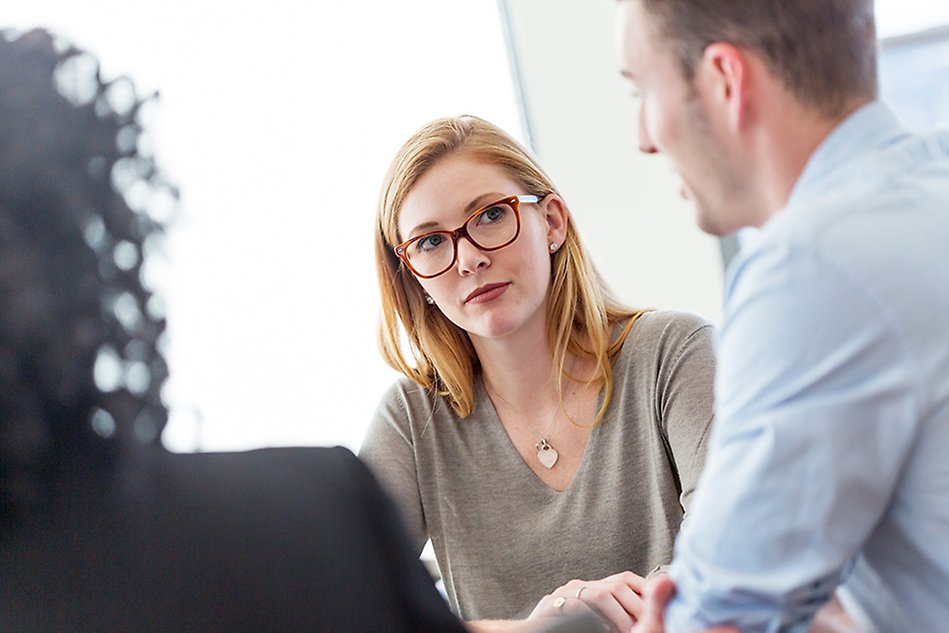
(487, 292)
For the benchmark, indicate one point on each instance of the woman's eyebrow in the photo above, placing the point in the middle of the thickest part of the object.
(480, 200)
(469, 208)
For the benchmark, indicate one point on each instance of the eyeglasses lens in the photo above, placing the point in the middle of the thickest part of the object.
(489, 228)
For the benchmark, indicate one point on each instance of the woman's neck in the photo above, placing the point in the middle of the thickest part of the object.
(521, 372)
(519, 368)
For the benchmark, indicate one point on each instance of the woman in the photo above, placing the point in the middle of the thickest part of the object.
(542, 432)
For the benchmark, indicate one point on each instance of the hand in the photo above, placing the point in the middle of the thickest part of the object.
(833, 619)
(617, 599)
(659, 592)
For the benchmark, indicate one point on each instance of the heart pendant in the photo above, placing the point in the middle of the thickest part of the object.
(547, 455)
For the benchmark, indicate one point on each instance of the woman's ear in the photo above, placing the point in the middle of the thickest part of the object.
(555, 213)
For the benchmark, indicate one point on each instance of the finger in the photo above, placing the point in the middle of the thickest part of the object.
(634, 581)
(609, 610)
(600, 597)
(659, 592)
(627, 589)
(631, 601)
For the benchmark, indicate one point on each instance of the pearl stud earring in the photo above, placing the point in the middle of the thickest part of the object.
(553, 247)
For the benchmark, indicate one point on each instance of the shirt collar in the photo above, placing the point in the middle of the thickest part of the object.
(869, 127)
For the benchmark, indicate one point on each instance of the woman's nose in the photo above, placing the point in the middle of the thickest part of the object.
(470, 257)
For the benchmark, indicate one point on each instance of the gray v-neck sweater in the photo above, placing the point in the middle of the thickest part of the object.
(503, 538)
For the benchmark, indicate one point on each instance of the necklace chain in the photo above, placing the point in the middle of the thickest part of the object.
(547, 455)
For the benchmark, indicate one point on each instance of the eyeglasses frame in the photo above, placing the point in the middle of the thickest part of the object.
(462, 231)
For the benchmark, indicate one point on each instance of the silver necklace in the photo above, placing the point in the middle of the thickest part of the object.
(547, 455)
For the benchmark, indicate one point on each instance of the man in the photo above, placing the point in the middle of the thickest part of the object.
(827, 465)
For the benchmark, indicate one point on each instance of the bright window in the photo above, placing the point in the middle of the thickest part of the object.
(277, 120)
(901, 17)
(914, 61)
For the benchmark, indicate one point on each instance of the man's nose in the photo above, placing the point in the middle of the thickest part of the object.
(646, 146)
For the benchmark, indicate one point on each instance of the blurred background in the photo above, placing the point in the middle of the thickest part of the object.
(277, 121)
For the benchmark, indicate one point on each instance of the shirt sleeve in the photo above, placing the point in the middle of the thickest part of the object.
(684, 402)
(389, 450)
(816, 414)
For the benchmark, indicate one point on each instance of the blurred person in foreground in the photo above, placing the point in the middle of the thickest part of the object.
(101, 529)
(827, 468)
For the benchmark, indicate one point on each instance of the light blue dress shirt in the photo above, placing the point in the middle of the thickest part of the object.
(829, 459)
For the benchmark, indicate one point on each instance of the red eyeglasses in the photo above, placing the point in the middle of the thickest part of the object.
(490, 228)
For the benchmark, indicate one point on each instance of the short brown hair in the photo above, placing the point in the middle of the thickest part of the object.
(823, 50)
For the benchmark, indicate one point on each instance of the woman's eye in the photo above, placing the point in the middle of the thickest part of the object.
(430, 242)
(491, 215)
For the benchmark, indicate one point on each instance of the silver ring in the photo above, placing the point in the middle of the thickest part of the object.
(579, 591)
(558, 603)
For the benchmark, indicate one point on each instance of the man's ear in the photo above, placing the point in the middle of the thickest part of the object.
(555, 212)
(726, 73)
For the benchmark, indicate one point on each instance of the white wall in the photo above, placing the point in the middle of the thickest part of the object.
(583, 126)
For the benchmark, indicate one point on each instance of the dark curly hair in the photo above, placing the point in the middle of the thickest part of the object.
(81, 367)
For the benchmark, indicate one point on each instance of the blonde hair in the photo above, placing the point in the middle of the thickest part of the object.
(581, 312)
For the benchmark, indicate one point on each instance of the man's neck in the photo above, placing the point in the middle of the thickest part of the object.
(789, 137)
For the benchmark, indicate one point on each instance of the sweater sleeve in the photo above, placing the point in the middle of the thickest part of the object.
(684, 394)
(390, 451)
